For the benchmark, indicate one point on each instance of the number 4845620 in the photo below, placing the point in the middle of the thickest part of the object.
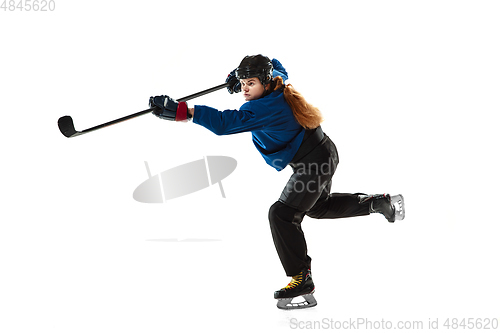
(28, 5)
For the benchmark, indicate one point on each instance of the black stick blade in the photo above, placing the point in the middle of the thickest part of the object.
(66, 126)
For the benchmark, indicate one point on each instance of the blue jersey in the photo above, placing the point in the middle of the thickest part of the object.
(275, 132)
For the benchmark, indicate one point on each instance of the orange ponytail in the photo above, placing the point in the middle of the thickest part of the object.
(307, 116)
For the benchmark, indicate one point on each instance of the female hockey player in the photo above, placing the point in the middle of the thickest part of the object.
(286, 131)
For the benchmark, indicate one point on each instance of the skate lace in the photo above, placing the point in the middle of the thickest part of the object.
(296, 280)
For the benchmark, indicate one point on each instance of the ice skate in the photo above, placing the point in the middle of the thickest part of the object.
(398, 202)
(392, 207)
(301, 286)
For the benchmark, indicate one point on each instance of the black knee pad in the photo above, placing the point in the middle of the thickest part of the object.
(279, 212)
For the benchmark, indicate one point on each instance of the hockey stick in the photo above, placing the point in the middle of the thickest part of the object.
(67, 127)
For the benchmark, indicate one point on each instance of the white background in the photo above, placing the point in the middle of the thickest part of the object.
(410, 94)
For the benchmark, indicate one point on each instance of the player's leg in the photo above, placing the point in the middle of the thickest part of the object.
(290, 243)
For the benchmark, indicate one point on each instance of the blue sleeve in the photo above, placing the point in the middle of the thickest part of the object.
(279, 70)
(227, 122)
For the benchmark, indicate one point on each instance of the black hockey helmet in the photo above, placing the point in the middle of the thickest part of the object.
(258, 66)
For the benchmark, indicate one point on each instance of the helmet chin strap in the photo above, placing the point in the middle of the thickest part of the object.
(266, 91)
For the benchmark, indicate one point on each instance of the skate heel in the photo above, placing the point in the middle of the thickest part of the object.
(399, 206)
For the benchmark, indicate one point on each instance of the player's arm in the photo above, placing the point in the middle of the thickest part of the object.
(279, 70)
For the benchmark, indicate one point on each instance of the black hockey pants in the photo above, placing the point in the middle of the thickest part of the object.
(308, 193)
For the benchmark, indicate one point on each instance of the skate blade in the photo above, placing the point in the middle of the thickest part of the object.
(287, 304)
(399, 205)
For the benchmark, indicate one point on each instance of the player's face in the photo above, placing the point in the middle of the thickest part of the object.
(251, 88)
